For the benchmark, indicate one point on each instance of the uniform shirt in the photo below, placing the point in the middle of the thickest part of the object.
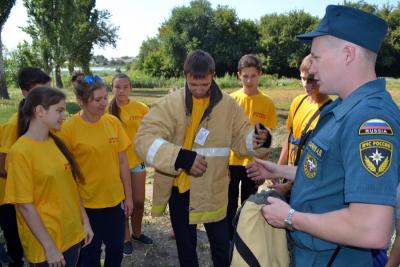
(199, 106)
(297, 122)
(259, 108)
(95, 147)
(50, 187)
(131, 115)
(8, 137)
(351, 157)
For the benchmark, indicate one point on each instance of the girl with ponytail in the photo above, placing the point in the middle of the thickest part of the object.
(131, 112)
(41, 182)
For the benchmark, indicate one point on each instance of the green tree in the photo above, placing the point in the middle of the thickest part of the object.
(5, 9)
(280, 50)
(91, 26)
(388, 61)
(66, 31)
(218, 31)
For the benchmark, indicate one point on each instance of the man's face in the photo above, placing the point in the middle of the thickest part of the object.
(325, 65)
(199, 87)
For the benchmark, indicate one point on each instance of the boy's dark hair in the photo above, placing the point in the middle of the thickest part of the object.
(28, 77)
(248, 61)
(199, 64)
(77, 75)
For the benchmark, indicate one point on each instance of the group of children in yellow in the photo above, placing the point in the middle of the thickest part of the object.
(79, 183)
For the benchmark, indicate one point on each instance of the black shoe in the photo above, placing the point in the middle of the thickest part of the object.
(128, 248)
(143, 239)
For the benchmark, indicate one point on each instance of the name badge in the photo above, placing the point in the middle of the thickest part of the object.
(201, 136)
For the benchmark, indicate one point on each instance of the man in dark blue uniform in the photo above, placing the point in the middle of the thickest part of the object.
(345, 183)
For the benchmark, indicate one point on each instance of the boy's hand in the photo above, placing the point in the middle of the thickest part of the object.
(199, 166)
(260, 136)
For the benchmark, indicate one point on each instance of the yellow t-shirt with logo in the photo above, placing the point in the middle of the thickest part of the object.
(259, 108)
(300, 120)
(95, 147)
(38, 173)
(131, 115)
(200, 105)
(8, 137)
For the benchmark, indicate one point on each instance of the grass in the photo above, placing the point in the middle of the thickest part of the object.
(163, 252)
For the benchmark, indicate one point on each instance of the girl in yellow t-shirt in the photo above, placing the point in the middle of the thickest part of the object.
(131, 113)
(99, 143)
(51, 231)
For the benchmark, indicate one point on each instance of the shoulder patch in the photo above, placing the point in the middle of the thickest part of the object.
(310, 166)
(375, 126)
(376, 156)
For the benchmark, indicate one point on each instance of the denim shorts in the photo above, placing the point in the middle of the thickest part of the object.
(138, 168)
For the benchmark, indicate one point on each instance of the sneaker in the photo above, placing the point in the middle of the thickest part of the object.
(143, 239)
(128, 248)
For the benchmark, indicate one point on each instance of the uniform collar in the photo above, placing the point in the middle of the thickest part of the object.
(340, 107)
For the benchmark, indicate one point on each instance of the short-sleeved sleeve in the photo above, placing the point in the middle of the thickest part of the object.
(371, 160)
(19, 185)
(123, 137)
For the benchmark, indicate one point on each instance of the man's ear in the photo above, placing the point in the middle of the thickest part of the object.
(349, 53)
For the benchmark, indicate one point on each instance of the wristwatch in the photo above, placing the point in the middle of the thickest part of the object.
(288, 220)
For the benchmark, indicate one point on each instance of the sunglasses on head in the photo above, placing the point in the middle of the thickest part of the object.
(90, 79)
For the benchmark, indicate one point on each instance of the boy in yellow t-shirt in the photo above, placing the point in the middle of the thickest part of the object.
(259, 108)
(28, 79)
(302, 118)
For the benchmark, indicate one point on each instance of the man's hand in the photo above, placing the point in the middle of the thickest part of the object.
(283, 188)
(259, 136)
(199, 166)
(261, 170)
(276, 212)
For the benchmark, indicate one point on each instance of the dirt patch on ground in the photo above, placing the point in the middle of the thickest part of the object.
(163, 252)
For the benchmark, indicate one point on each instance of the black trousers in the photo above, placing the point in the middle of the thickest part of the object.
(108, 225)
(71, 256)
(186, 235)
(8, 223)
(247, 187)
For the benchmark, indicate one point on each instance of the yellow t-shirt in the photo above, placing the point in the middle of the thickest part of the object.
(200, 105)
(8, 137)
(50, 187)
(131, 115)
(259, 108)
(95, 147)
(300, 120)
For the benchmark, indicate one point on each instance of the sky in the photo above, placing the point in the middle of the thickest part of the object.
(139, 20)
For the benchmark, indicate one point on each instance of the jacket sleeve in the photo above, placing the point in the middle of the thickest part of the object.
(153, 139)
(242, 135)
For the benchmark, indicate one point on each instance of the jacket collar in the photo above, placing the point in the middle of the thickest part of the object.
(215, 97)
(340, 107)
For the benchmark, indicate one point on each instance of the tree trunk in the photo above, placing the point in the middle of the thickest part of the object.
(86, 67)
(3, 85)
(70, 69)
(59, 83)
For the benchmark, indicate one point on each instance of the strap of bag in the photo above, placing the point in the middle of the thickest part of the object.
(291, 127)
(305, 133)
(245, 252)
(333, 257)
